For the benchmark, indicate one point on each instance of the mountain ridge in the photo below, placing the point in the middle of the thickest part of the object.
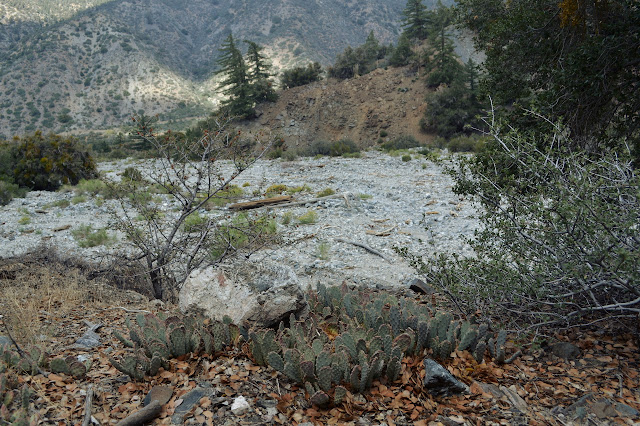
(96, 67)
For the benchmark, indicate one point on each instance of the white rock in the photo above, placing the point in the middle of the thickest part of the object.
(239, 406)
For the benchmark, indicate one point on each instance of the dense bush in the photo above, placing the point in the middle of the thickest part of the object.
(401, 142)
(342, 147)
(48, 162)
(451, 111)
(300, 76)
(560, 238)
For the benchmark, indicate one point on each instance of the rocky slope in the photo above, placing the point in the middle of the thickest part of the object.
(359, 109)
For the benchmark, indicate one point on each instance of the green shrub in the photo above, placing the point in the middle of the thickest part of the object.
(48, 162)
(451, 112)
(244, 232)
(316, 148)
(300, 76)
(9, 191)
(298, 189)
(276, 189)
(401, 142)
(308, 218)
(132, 174)
(564, 253)
(406, 158)
(60, 203)
(325, 192)
(78, 199)
(287, 218)
(89, 237)
(342, 147)
(90, 187)
(194, 222)
(462, 143)
(383, 133)
(24, 220)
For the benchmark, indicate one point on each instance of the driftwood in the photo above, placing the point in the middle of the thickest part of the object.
(87, 406)
(300, 203)
(260, 203)
(157, 397)
(384, 233)
(142, 416)
(364, 246)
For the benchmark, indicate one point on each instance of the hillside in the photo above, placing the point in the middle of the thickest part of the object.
(73, 66)
(359, 109)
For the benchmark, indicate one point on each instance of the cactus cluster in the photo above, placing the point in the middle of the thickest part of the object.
(425, 327)
(327, 368)
(36, 358)
(156, 339)
(14, 402)
(70, 366)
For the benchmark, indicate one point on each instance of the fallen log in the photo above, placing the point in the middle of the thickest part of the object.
(260, 203)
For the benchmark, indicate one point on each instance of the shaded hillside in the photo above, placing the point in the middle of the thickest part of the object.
(359, 109)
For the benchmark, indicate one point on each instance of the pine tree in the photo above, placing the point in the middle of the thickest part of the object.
(235, 83)
(416, 20)
(402, 52)
(259, 75)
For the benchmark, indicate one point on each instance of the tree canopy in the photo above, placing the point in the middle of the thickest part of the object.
(574, 60)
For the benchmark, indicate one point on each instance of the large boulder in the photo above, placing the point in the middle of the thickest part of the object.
(252, 294)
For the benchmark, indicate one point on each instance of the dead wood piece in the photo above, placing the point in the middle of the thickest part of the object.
(87, 406)
(260, 203)
(383, 233)
(142, 416)
(310, 201)
(364, 246)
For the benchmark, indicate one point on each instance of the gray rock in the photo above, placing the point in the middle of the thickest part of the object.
(419, 286)
(4, 340)
(439, 382)
(250, 294)
(189, 400)
(565, 350)
(626, 411)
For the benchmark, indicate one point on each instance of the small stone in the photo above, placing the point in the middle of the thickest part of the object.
(240, 406)
(439, 382)
(626, 411)
(565, 350)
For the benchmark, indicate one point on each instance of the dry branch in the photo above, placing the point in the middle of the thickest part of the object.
(248, 205)
(366, 247)
(142, 416)
(87, 406)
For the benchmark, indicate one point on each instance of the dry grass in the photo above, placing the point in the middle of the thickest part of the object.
(40, 288)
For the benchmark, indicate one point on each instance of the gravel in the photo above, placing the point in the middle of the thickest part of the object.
(412, 201)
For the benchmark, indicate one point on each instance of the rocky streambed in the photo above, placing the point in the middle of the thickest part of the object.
(388, 203)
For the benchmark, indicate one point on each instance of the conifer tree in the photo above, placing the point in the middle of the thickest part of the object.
(402, 52)
(235, 84)
(416, 20)
(259, 75)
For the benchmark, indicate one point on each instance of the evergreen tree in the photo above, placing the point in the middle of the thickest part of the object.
(402, 53)
(299, 76)
(416, 20)
(259, 75)
(236, 84)
(444, 67)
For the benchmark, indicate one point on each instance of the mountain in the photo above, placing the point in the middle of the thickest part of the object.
(69, 66)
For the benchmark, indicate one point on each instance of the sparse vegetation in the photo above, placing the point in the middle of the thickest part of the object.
(88, 237)
(308, 218)
(325, 192)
